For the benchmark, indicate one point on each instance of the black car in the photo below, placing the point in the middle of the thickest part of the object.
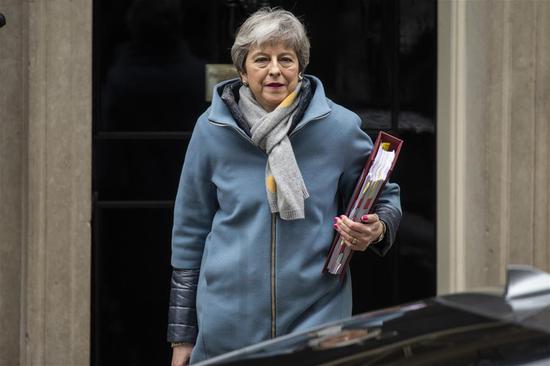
(507, 328)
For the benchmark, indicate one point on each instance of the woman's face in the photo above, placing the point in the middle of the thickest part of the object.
(271, 72)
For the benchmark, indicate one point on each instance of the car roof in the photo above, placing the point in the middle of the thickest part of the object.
(516, 321)
(525, 299)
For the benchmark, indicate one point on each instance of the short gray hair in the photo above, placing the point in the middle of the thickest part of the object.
(268, 26)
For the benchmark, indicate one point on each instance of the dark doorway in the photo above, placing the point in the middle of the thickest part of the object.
(376, 57)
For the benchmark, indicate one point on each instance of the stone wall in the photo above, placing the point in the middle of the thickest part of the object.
(45, 182)
(12, 182)
(493, 155)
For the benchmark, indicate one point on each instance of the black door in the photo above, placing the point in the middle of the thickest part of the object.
(376, 57)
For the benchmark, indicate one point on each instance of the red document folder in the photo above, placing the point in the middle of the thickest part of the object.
(366, 193)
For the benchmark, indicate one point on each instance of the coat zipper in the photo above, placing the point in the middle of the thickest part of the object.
(273, 263)
(273, 228)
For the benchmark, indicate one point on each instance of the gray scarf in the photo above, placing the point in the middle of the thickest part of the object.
(286, 190)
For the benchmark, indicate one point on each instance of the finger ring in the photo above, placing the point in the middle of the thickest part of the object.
(354, 241)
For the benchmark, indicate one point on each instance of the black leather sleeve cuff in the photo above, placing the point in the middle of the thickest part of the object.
(182, 316)
(391, 217)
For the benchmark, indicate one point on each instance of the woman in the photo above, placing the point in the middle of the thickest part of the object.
(268, 168)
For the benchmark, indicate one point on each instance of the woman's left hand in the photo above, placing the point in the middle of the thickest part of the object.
(359, 235)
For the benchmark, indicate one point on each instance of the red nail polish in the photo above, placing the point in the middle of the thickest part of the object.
(335, 220)
(364, 218)
(335, 227)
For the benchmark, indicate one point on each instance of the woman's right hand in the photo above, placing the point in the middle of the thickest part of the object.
(181, 354)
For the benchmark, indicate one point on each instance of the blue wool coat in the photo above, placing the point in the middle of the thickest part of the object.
(261, 276)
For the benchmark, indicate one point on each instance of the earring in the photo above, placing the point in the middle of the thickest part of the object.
(300, 77)
(245, 83)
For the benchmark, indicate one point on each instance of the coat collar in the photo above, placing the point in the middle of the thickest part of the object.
(318, 107)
